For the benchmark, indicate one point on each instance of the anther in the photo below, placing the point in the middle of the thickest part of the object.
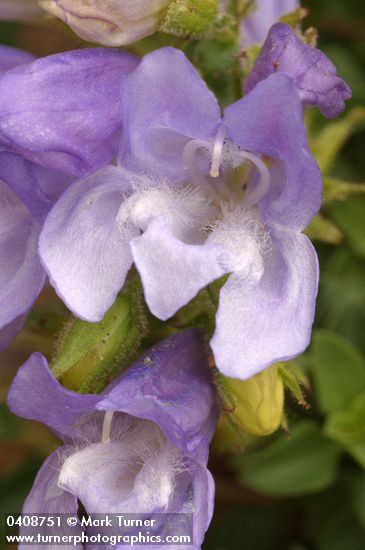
(107, 425)
(189, 162)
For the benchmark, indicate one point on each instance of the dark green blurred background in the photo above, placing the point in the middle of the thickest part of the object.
(298, 493)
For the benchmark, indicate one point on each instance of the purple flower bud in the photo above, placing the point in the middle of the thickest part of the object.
(139, 447)
(313, 73)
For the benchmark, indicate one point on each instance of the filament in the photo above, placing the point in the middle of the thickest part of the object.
(107, 425)
(217, 152)
(260, 190)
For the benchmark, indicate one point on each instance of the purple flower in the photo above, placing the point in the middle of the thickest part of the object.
(21, 274)
(60, 116)
(255, 28)
(312, 72)
(139, 447)
(200, 223)
(64, 111)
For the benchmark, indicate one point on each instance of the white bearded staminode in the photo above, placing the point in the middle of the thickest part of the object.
(245, 238)
(133, 469)
(185, 208)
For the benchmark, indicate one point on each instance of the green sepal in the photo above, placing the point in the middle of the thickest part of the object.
(294, 18)
(89, 355)
(294, 380)
(193, 18)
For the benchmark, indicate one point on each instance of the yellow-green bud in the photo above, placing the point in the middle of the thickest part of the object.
(255, 405)
(90, 355)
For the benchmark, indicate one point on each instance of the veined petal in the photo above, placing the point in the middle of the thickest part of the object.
(21, 274)
(10, 331)
(65, 111)
(46, 497)
(172, 271)
(37, 187)
(165, 104)
(262, 322)
(269, 120)
(35, 394)
(171, 385)
(84, 251)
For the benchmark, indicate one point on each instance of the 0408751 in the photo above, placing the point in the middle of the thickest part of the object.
(33, 520)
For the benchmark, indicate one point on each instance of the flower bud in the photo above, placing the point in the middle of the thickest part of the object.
(110, 22)
(255, 405)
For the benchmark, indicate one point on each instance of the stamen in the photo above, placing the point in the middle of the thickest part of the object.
(107, 425)
(189, 163)
(260, 190)
(217, 151)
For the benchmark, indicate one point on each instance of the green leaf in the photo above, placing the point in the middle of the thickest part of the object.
(341, 299)
(322, 229)
(342, 532)
(347, 427)
(358, 498)
(304, 463)
(338, 369)
(327, 143)
(349, 217)
(338, 190)
(89, 355)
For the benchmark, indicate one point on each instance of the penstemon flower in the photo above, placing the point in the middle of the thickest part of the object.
(139, 447)
(187, 212)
